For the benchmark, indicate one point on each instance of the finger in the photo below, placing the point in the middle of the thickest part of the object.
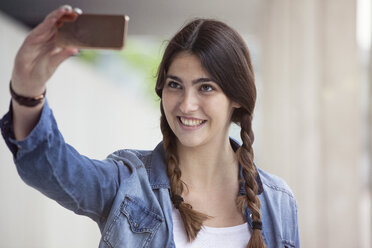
(59, 55)
(78, 11)
(69, 17)
(47, 27)
(59, 12)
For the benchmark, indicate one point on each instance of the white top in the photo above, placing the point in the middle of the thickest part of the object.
(211, 237)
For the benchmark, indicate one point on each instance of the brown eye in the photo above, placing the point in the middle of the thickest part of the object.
(206, 88)
(174, 85)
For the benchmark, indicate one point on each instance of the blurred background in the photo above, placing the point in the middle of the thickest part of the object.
(312, 121)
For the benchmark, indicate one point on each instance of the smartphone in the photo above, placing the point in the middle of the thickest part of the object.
(93, 31)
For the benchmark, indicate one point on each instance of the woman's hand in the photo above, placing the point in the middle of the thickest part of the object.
(36, 61)
(39, 55)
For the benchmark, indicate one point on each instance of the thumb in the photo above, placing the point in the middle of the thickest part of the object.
(59, 55)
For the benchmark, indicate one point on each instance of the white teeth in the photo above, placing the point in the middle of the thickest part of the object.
(191, 123)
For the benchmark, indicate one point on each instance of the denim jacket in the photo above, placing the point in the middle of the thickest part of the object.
(127, 194)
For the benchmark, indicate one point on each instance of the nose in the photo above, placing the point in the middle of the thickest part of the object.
(189, 102)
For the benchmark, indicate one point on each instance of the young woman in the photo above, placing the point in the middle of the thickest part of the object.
(197, 188)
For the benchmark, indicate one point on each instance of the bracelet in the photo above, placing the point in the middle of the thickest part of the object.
(24, 100)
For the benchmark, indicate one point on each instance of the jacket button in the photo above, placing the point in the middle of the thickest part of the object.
(135, 224)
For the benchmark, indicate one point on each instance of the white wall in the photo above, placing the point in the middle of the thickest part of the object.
(96, 116)
(313, 117)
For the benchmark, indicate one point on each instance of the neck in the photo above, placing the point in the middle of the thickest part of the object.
(208, 166)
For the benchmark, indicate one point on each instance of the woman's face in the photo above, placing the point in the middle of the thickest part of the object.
(197, 110)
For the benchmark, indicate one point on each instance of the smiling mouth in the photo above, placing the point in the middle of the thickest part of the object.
(191, 122)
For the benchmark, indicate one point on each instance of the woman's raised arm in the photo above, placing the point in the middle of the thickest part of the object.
(36, 61)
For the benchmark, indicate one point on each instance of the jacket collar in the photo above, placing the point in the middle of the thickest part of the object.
(157, 169)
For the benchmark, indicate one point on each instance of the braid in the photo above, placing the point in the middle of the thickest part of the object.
(245, 156)
(192, 219)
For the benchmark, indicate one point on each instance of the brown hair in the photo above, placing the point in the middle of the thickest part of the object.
(225, 56)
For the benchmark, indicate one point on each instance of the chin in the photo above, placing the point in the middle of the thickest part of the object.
(191, 142)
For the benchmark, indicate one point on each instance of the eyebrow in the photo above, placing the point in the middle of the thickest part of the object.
(196, 81)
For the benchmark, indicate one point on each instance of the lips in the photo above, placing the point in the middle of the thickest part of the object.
(191, 122)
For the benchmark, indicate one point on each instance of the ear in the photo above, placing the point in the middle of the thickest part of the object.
(236, 105)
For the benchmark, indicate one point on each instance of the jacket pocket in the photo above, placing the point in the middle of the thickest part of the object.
(134, 225)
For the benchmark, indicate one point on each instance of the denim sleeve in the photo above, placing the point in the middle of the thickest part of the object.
(297, 235)
(45, 162)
